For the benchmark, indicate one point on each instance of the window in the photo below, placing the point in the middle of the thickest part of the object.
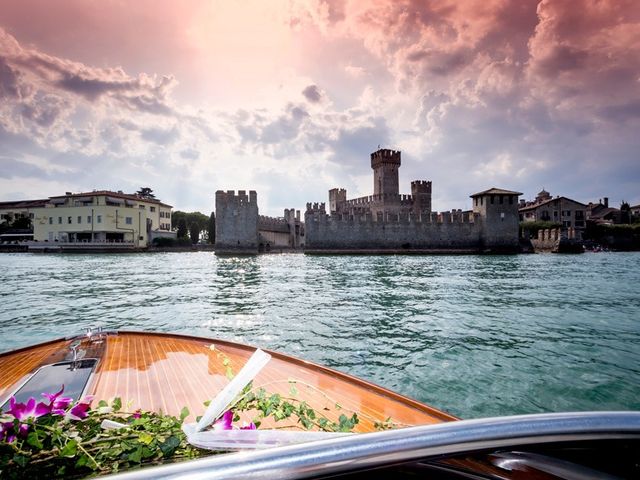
(566, 223)
(153, 209)
(492, 199)
(88, 218)
(99, 218)
(501, 199)
(69, 220)
(59, 220)
(481, 200)
(141, 207)
(555, 214)
(510, 199)
(128, 220)
(50, 220)
(79, 219)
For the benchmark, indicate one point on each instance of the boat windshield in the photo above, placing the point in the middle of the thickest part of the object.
(74, 375)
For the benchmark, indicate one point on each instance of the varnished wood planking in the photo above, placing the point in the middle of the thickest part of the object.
(15, 366)
(162, 372)
(166, 373)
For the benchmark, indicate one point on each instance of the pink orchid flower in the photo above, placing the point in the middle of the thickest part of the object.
(250, 426)
(31, 409)
(8, 432)
(80, 410)
(57, 403)
(224, 422)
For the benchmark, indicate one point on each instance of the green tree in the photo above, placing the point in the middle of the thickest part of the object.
(176, 217)
(625, 212)
(211, 228)
(197, 225)
(182, 228)
(145, 192)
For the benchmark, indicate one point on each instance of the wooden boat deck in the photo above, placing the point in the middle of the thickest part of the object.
(164, 372)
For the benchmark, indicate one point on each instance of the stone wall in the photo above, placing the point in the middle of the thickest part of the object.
(445, 231)
(236, 222)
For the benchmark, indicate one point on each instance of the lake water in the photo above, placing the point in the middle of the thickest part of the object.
(474, 335)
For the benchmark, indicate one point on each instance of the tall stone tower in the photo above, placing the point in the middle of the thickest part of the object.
(236, 222)
(385, 164)
(336, 197)
(499, 219)
(421, 194)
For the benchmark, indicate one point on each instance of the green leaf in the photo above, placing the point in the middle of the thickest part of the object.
(145, 438)
(103, 403)
(20, 460)
(70, 449)
(136, 455)
(184, 413)
(117, 404)
(33, 440)
(82, 461)
(169, 446)
(293, 391)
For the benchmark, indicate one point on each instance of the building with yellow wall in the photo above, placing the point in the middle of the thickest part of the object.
(101, 217)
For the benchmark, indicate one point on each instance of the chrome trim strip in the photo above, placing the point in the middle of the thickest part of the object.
(403, 445)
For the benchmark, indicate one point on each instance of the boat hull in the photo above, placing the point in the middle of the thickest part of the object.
(166, 372)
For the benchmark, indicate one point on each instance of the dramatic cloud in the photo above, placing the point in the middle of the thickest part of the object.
(290, 97)
(312, 93)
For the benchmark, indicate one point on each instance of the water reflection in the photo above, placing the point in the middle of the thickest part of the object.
(476, 335)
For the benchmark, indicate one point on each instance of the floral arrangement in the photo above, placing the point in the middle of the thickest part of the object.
(57, 437)
(62, 438)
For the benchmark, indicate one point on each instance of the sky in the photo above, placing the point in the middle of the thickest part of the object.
(289, 98)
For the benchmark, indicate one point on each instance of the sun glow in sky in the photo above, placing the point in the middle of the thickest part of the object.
(290, 97)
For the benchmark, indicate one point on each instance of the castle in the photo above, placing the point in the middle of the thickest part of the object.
(241, 230)
(386, 221)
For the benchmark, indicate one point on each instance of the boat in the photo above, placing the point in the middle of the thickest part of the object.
(394, 435)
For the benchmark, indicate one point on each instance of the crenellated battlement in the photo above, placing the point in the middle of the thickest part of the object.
(385, 156)
(316, 207)
(273, 224)
(409, 217)
(404, 200)
(230, 197)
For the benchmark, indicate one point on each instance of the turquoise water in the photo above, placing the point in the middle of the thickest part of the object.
(474, 335)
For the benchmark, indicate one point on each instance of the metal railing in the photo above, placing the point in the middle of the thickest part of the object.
(395, 446)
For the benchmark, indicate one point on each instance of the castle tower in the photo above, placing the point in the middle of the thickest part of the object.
(421, 194)
(236, 222)
(499, 218)
(336, 197)
(385, 164)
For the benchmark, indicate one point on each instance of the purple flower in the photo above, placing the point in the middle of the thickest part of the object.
(5, 429)
(80, 409)
(137, 414)
(8, 431)
(57, 403)
(251, 426)
(224, 422)
(31, 409)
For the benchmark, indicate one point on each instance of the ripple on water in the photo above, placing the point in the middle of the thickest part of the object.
(474, 335)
